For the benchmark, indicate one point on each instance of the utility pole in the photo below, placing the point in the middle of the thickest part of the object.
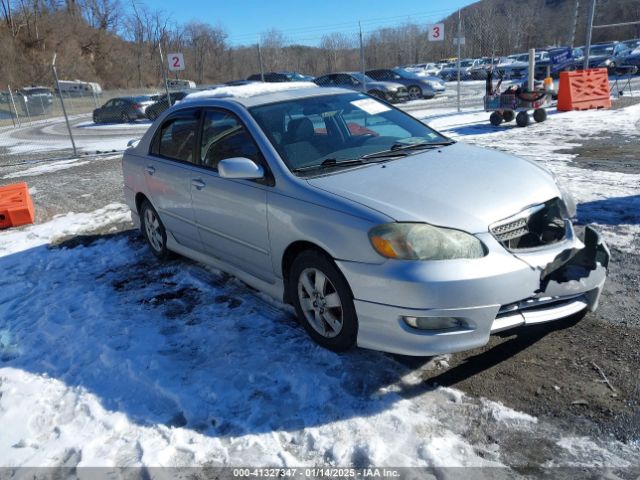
(362, 66)
(592, 12)
(575, 24)
(64, 110)
(459, 53)
(260, 62)
(164, 74)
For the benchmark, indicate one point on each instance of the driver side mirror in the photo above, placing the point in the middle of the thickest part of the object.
(240, 168)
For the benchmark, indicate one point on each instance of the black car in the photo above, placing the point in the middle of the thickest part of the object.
(417, 87)
(154, 111)
(606, 55)
(278, 77)
(122, 109)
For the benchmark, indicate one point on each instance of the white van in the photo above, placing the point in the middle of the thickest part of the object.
(78, 88)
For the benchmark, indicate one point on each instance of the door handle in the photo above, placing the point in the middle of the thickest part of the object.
(151, 170)
(199, 184)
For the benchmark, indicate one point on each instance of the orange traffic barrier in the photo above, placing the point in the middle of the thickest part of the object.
(584, 90)
(16, 206)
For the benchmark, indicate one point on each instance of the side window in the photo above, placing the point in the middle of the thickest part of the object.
(176, 138)
(224, 136)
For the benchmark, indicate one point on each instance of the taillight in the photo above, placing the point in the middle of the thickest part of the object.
(137, 106)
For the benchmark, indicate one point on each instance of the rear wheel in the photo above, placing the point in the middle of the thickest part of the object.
(154, 231)
(522, 119)
(540, 115)
(323, 301)
(495, 119)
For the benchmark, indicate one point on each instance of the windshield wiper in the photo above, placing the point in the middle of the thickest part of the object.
(329, 163)
(419, 146)
(400, 149)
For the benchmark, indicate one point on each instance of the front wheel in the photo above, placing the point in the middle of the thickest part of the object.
(415, 92)
(323, 301)
(495, 119)
(154, 231)
(124, 118)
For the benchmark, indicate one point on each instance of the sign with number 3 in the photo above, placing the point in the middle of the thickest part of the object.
(435, 32)
(176, 62)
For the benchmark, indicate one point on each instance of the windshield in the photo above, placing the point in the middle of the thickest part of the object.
(405, 73)
(362, 78)
(466, 63)
(338, 128)
(142, 98)
(601, 50)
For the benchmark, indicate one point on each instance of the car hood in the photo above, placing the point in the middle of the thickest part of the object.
(458, 186)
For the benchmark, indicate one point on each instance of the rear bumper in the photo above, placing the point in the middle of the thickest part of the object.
(487, 295)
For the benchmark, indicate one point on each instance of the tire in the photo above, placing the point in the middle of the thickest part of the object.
(495, 119)
(508, 115)
(540, 115)
(415, 92)
(153, 231)
(323, 301)
(96, 119)
(152, 115)
(124, 118)
(522, 119)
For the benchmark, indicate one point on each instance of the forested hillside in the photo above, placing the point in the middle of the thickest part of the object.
(115, 43)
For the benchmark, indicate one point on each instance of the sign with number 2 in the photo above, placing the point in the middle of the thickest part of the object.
(435, 32)
(176, 62)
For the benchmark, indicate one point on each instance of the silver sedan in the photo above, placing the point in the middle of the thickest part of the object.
(379, 230)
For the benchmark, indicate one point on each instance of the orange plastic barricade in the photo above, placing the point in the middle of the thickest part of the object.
(16, 206)
(584, 90)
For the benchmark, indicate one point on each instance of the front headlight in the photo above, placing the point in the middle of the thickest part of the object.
(421, 241)
(606, 63)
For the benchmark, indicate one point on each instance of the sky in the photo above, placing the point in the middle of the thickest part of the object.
(304, 21)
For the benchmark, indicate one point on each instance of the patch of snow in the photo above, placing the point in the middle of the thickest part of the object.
(61, 226)
(507, 415)
(46, 168)
(249, 90)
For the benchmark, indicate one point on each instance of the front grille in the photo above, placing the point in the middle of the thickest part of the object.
(534, 227)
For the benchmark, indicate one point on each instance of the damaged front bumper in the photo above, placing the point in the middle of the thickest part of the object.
(500, 291)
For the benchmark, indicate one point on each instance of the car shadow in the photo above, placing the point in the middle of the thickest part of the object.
(178, 344)
(610, 211)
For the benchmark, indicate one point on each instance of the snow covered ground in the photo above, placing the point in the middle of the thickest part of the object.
(109, 358)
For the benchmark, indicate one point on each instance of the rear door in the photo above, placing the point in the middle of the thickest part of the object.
(231, 214)
(168, 173)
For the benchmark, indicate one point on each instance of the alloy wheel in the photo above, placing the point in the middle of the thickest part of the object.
(153, 230)
(320, 302)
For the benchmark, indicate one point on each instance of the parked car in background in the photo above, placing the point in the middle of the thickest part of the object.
(275, 77)
(606, 55)
(631, 59)
(384, 236)
(450, 72)
(513, 67)
(481, 68)
(424, 69)
(389, 91)
(123, 109)
(34, 100)
(632, 44)
(154, 110)
(417, 87)
(236, 83)
(179, 83)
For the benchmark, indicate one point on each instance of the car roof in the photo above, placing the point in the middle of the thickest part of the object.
(263, 93)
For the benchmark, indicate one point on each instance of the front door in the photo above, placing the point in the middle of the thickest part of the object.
(231, 214)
